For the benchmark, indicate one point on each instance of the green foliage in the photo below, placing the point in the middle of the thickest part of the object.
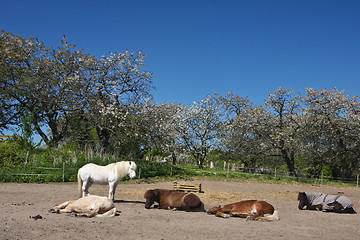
(156, 152)
(12, 153)
(48, 163)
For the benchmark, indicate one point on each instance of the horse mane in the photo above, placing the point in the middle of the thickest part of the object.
(122, 168)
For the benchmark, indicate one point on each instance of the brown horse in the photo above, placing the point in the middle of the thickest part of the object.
(249, 209)
(172, 199)
(324, 202)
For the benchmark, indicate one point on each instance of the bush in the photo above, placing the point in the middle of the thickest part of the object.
(11, 153)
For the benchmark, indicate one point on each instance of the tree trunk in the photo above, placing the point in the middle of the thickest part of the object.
(104, 136)
(290, 161)
(252, 164)
(173, 156)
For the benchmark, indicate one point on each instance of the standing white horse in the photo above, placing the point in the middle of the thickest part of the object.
(110, 174)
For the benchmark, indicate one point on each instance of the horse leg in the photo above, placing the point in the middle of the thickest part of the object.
(66, 210)
(58, 208)
(62, 205)
(85, 187)
(183, 207)
(338, 208)
(315, 207)
(92, 213)
(163, 206)
(224, 213)
(112, 188)
(347, 210)
(66, 207)
(241, 215)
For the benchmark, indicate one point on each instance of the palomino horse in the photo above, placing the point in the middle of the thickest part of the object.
(325, 202)
(89, 206)
(110, 174)
(249, 209)
(172, 199)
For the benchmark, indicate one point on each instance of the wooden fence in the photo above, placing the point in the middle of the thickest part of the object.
(186, 187)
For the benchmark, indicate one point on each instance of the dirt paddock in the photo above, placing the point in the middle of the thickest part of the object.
(24, 214)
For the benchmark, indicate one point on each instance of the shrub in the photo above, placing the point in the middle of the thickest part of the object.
(11, 153)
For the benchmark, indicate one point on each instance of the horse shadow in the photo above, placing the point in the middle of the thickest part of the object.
(126, 201)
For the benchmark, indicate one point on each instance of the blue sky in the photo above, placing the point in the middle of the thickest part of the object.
(196, 48)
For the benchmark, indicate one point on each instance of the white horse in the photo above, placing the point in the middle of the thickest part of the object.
(110, 174)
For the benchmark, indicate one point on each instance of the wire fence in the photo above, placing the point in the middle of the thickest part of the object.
(237, 172)
(276, 174)
(40, 174)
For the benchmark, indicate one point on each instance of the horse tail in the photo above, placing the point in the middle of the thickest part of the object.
(108, 214)
(273, 217)
(80, 183)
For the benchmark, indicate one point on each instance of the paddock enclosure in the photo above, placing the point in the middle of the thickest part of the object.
(24, 213)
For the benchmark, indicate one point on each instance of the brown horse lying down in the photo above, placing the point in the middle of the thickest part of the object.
(88, 206)
(249, 209)
(172, 199)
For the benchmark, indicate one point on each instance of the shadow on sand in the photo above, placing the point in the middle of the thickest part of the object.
(126, 201)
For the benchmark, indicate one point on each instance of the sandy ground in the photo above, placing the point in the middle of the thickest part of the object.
(19, 203)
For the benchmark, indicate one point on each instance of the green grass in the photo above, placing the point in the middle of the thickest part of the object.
(51, 170)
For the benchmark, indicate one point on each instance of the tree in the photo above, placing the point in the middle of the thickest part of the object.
(43, 83)
(54, 86)
(18, 58)
(199, 126)
(161, 124)
(118, 84)
(246, 129)
(284, 124)
(333, 129)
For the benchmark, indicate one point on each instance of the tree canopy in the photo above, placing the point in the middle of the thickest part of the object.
(70, 97)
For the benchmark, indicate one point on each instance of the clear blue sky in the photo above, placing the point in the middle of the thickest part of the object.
(196, 48)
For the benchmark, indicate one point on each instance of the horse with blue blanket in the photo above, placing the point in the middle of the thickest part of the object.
(326, 203)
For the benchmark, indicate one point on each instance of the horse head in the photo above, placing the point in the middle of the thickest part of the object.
(303, 200)
(214, 210)
(132, 170)
(150, 196)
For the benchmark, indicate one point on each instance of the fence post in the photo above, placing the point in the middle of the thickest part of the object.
(357, 180)
(228, 170)
(63, 171)
(140, 170)
(322, 177)
(275, 173)
(27, 157)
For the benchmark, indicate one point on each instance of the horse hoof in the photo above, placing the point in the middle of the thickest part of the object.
(247, 218)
